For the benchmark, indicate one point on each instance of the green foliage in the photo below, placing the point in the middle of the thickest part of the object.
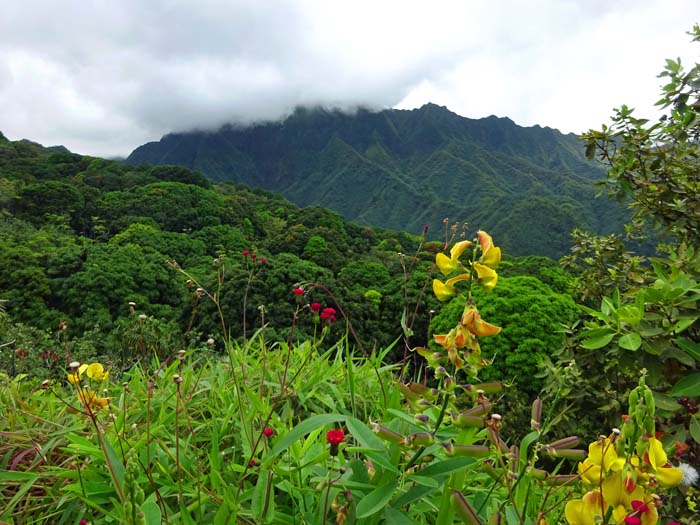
(405, 169)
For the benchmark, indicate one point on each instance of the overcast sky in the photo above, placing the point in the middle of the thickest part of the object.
(105, 76)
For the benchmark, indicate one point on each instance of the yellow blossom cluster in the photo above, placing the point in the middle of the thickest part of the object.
(622, 486)
(96, 373)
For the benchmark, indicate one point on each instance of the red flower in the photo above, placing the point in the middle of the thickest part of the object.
(245, 253)
(263, 260)
(254, 256)
(639, 506)
(252, 463)
(298, 291)
(316, 307)
(268, 432)
(335, 437)
(43, 355)
(83, 522)
(328, 314)
(633, 520)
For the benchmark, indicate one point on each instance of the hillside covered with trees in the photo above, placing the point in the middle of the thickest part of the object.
(403, 169)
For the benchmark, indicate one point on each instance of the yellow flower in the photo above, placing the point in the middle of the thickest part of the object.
(490, 254)
(487, 276)
(91, 400)
(97, 372)
(666, 475)
(449, 264)
(585, 510)
(74, 377)
(444, 291)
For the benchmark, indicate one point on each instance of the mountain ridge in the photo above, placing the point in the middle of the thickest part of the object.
(403, 169)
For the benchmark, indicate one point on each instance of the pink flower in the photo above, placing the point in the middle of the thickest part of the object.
(83, 522)
(633, 520)
(298, 291)
(316, 307)
(252, 463)
(245, 253)
(268, 432)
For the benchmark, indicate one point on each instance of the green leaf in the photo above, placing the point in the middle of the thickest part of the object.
(631, 341)
(299, 431)
(423, 480)
(688, 386)
(363, 434)
(151, 512)
(690, 347)
(597, 342)
(695, 429)
(393, 516)
(375, 500)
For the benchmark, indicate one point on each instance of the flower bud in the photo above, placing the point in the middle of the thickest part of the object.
(536, 414)
(387, 434)
(469, 451)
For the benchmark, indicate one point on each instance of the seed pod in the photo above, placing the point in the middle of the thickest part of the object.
(467, 420)
(567, 453)
(488, 388)
(496, 519)
(562, 479)
(421, 439)
(498, 441)
(409, 394)
(479, 410)
(469, 451)
(536, 414)
(566, 442)
(387, 434)
(463, 509)
(423, 391)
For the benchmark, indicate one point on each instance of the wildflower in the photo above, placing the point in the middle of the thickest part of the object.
(245, 253)
(76, 372)
(83, 522)
(91, 400)
(252, 463)
(262, 260)
(298, 291)
(253, 256)
(490, 254)
(268, 432)
(665, 474)
(680, 448)
(447, 265)
(328, 314)
(97, 372)
(335, 437)
(315, 307)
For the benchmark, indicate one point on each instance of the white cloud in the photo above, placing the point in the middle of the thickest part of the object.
(105, 77)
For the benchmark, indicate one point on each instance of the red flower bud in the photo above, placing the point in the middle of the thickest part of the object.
(268, 432)
(298, 291)
(253, 256)
(263, 260)
(245, 253)
(316, 307)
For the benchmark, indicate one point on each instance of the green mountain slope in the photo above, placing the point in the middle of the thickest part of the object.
(405, 169)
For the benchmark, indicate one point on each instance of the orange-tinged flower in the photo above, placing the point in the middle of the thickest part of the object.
(487, 276)
(490, 254)
(446, 264)
(471, 319)
(90, 399)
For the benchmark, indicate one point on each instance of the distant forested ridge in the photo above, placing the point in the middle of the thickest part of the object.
(81, 238)
(403, 169)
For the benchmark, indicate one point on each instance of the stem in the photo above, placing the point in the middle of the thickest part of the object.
(419, 452)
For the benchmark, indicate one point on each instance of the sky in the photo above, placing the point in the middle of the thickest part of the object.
(103, 77)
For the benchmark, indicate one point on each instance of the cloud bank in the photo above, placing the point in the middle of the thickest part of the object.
(105, 77)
